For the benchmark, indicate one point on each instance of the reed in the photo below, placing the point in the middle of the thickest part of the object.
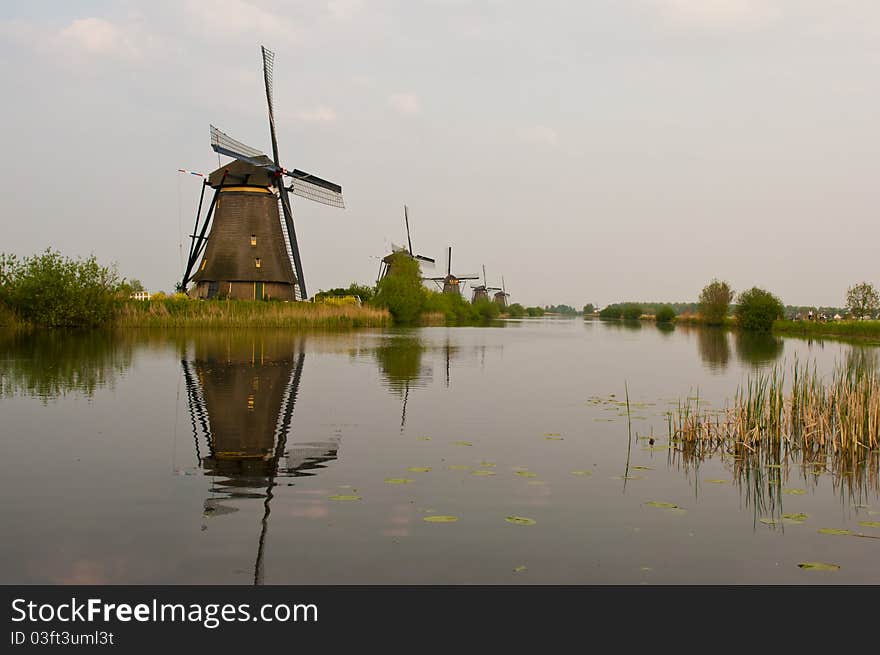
(838, 415)
(173, 312)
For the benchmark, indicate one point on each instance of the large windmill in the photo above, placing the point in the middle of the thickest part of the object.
(481, 291)
(397, 251)
(451, 283)
(250, 252)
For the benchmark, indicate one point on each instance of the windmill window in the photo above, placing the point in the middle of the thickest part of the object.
(253, 239)
(258, 262)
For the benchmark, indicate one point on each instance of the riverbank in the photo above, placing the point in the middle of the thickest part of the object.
(174, 312)
(843, 329)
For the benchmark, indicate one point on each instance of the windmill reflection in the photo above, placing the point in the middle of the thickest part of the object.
(241, 395)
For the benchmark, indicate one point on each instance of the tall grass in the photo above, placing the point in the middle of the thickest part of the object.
(173, 312)
(852, 329)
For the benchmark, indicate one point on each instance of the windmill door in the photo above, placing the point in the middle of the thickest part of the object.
(258, 290)
(213, 288)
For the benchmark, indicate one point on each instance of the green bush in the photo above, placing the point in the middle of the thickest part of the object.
(665, 314)
(757, 309)
(49, 290)
(516, 310)
(611, 311)
(631, 312)
(715, 299)
(401, 291)
(535, 312)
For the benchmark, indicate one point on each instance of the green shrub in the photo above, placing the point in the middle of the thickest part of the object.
(715, 299)
(611, 311)
(631, 312)
(665, 314)
(516, 310)
(757, 309)
(535, 311)
(401, 291)
(49, 290)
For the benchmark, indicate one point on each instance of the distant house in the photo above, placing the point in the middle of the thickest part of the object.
(141, 295)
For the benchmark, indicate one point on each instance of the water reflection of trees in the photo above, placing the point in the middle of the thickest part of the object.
(714, 347)
(758, 348)
(49, 364)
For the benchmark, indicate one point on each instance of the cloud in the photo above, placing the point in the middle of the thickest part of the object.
(717, 14)
(540, 135)
(320, 114)
(405, 103)
(225, 19)
(97, 36)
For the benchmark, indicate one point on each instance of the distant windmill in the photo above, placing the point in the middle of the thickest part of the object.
(388, 260)
(501, 296)
(451, 283)
(250, 253)
(481, 292)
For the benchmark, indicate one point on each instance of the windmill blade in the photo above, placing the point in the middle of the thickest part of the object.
(408, 239)
(422, 258)
(314, 188)
(224, 144)
(268, 72)
(469, 276)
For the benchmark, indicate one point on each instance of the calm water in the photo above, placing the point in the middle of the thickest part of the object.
(232, 457)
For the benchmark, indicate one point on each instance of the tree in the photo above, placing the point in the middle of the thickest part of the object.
(757, 309)
(665, 314)
(516, 310)
(589, 308)
(715, 299)
(401, 291)
(862, 300)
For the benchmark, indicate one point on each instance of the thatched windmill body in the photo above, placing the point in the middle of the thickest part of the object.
(451, 283)
(387, 263)
(251, 251)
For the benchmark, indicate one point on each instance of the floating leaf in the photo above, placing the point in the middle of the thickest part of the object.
(552, 434)
(483, 473)
(643, 468)
(419, 469)
(870, 524)
(459, 467)
(818, 566)
(488, 465)
(439, 518)
(526, 474)
(768, 521)
(581, 473)
(834, 531)
(798, 517)
(627, 477)
(462, 443)
(717, 481)
(399, 480)
(520, 568)
(554, 438)
(794, 492)
(661, 505)
(343, 497)
(520, 520)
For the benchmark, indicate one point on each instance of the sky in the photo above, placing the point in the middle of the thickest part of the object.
(594, 151)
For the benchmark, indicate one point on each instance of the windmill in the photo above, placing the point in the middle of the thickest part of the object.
(501, 295)
(396, 251)
(250, 252)
(481, 292)
(451, 283)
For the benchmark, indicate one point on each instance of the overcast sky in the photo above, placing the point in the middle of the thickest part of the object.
(588, 151)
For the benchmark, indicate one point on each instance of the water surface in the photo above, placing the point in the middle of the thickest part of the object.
(265, 456)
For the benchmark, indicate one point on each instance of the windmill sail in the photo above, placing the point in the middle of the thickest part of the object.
(224, 144)
(314, 188)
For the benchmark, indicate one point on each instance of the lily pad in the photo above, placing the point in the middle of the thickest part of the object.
(462, 443)
(527, 474)
(718, 481)
(794, 492)
(554, 438)
(768, 521)
(487, 465)
(582, 473)
(798, 517)
(627, 477)
(520, 520)
(419, 469)
(399, 480)
(834, 531)
(439, 518)
(643, 468)
(482, 473)
(661, 505)
(870, 524)
(520, 568)
(459, 467)
(818, 566)
(344, 497)
(552, 434)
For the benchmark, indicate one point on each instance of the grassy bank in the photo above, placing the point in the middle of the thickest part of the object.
(173, 312)
(843, 329)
